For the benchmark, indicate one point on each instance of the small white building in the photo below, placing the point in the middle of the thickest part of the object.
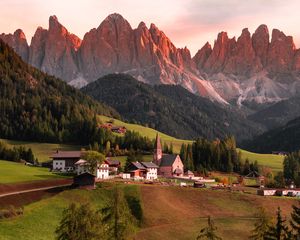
(151, 170)
(81, 166)
(102, 171)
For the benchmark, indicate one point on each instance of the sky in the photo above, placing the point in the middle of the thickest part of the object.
(188, 23)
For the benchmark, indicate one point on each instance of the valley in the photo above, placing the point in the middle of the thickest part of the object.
(121, 132)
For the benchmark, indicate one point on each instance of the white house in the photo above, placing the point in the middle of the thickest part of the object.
(151, 170)
(64, 161)
(81, 166)
(102, 171)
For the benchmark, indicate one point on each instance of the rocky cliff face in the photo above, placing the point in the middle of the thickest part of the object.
(251, 68)
(18, 42)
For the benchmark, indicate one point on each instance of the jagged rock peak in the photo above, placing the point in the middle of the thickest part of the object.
(20, 34)
(263, 29)
(142, 25)
(114, 17)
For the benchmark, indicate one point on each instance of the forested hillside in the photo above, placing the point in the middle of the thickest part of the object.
(36, 106)
(285, 138)
(170, 109)
(278, 114)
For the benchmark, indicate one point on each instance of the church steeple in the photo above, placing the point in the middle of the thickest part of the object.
(157, 154)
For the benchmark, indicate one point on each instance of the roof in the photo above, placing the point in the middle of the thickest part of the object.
(85, 174)
(149, 164)
(112, 162)
(168, 160)
(253, 174)
(81, 161)
(67, 154)
(178, 171)
(138, 165)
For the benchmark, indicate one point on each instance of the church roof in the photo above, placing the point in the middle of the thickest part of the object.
(168, 160)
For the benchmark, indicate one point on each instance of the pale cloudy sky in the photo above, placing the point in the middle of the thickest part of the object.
(187, 22)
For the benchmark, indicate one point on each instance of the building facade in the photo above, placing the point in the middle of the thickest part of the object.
(64, 161)
(170, 165)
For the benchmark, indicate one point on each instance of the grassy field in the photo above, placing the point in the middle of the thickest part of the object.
(11, 172)
(45, 214)
(168, 212)
(270, 160)
(148, 132)
(42, 151)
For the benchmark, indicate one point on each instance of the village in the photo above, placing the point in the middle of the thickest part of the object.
(164, 169)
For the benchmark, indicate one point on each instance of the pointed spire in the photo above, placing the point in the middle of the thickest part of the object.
(157, 153)
(157, 143)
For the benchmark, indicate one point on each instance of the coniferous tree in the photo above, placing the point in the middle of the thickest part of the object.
(80, 222)
(295, 222)
(209, 232)
(117, 217)
(280, 230)
(261, 226)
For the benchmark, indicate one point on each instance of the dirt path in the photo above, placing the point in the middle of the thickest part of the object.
(31, 190)
(12, 189)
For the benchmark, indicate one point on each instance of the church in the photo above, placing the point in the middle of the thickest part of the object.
(170, 165)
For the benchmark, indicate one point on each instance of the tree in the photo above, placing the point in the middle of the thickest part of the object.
(107, 147)
(261, 226)
(209, 232)
(93, 158)
(132, 157)
(279, 231)
(117, 217)
(80, 222)
(295, 222)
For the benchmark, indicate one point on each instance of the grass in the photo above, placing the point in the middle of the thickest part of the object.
(275, 162)
(148, 132)
(42, 151)
(11, 172)
(46, 214)
(167, 212)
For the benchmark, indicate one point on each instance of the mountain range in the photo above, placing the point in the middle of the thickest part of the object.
(254, 68)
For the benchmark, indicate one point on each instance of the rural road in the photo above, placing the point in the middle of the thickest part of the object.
(31, 190)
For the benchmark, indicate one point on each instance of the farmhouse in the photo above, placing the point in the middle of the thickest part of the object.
(81, 166)
(170, 165)
(118, 129)
(113, 164)
(64, 161)
(103, 171)
(143, 170)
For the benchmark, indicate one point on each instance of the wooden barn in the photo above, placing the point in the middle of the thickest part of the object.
(85, 180)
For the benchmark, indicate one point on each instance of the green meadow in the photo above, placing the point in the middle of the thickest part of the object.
(12, 172)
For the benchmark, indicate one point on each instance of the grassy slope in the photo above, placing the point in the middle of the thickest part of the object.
(11, 172)
(42, 151)
(269, 160)
(45, 214)
(148, 132)
(169, 212)
(273, 161)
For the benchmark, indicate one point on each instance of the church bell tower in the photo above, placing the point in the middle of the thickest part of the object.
(157, 154)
